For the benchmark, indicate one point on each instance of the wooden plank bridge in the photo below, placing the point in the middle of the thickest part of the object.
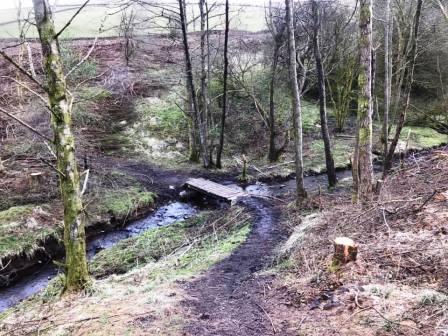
(214, 189)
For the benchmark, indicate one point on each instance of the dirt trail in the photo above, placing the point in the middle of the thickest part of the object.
(228, 299)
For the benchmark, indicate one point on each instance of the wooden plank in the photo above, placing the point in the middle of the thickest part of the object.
(214, 189)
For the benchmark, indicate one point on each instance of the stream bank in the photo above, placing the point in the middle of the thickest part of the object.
(43, 270)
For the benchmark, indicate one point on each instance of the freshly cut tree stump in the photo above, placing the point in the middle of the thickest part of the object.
(345, 250)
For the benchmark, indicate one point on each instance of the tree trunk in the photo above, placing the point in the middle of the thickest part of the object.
(331, 172)
(204, 110)
(409, 81)
(387, 78)
(74, 233)
(365, 168)
(272, 151)
(277, 36)
(191, 87)
(224, 95)
(296, 108)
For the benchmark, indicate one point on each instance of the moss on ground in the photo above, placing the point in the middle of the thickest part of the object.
(422, 137)
(123, 202)
(135, 251)
(310, 117)
(314, 157)
(161, 116)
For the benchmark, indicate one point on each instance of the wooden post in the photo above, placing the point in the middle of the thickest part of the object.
(345, 250)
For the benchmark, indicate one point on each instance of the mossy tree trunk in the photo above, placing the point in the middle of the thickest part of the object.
(329, 161)
(77, 276)
(296, 107)
(364, 131)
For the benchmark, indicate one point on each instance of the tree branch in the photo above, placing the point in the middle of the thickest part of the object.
(26, 125)
(71, 19)
(30, 90)
(22, 70)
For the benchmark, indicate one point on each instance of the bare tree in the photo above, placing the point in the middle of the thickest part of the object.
(126, 32)
(224, 94)
(387, 76)
(362, 163)
(204, 97)
(331, 172)
(277, 28)
(409, 80)
(191, 87)
(296, 107)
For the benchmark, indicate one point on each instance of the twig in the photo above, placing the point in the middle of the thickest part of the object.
(30, 90)
(266, 313)
(2, 267)
(385, 222)
(83, 59)
(22, 70)
(52, 167)
(427, 200)
(50, 149)
(25, 124)
(280, 164)
(71, 19)
(84, 186)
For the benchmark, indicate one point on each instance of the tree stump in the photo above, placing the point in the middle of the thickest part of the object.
(36, 179)
(345, 250)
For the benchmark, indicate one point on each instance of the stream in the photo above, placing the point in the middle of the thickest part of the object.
(33, 283)
(165, 215)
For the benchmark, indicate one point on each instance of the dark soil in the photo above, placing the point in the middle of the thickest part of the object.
(229, 298)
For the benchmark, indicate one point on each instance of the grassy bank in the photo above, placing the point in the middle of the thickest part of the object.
(24, 229)
(152, 286)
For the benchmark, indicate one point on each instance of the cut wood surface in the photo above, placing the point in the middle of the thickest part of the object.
(345, 250)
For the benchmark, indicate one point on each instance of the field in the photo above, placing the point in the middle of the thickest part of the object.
(91, 19)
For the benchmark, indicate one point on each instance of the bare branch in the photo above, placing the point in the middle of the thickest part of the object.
(52, 166)
(45, 101)
(22, 70)
(84, 185)
(26, 125)
(71, 19)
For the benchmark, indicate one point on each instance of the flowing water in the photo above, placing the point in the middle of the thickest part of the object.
(165, 215)
(33, 283)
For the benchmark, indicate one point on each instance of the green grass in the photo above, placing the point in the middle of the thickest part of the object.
(314, 157)
(88, 22)
(20, 231)
(310, 116)
(161, 116)
(423, 137)
(129, 253)
(124, 201)
(199, 234)
(201, 257)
